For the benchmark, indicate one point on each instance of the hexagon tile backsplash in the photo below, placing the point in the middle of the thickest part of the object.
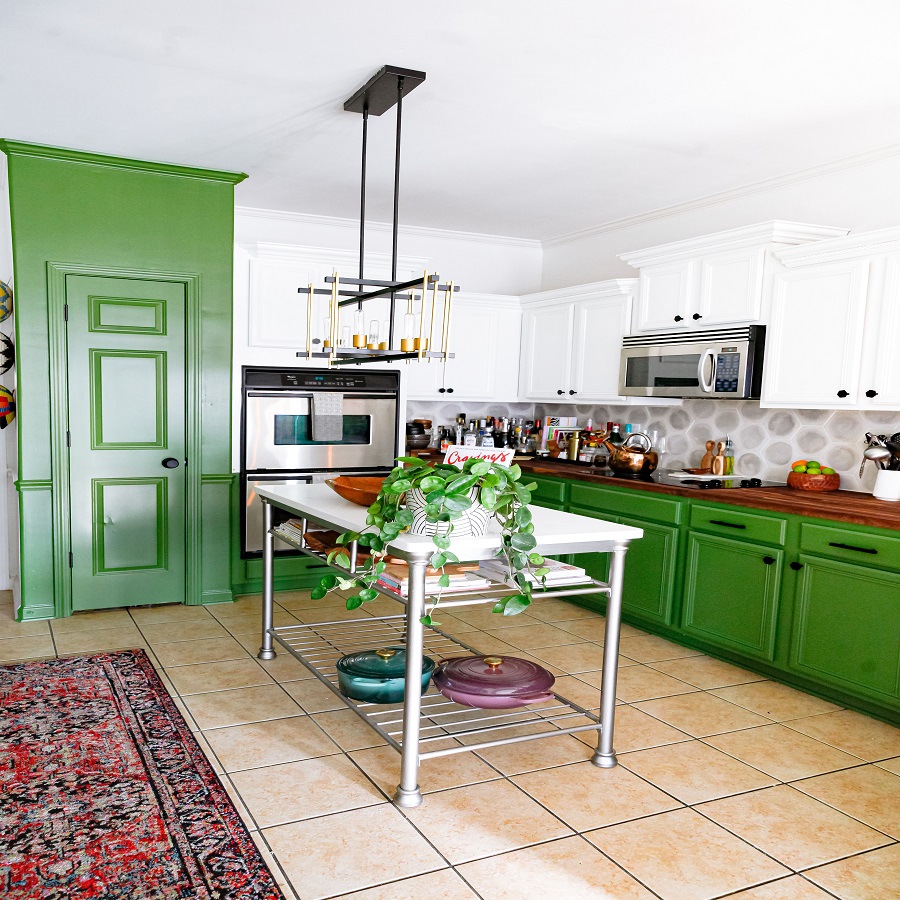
(766, 441)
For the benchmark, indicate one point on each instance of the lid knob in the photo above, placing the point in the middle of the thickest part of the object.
(385, 654)
(493, 661)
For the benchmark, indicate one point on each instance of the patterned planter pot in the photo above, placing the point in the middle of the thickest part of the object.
(473, 522)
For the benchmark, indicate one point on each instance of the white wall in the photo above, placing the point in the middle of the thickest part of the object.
(9, 512)
(862, 196)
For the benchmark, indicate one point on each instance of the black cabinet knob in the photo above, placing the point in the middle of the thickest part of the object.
(696, 316)
(170, 462)
(796, 566)
(560, 393)
(442, 390)
(843, 394)
(572, 393)
(449, 390)
(768, 560)
(871, 394)
(679, 318)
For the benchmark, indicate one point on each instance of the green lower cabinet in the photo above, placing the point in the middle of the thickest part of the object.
(846, 628)
(731, 594)
(548, 492)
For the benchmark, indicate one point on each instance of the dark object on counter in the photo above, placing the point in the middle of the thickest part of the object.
(418, 441)
(493, 682)
(415, 428)
(633, 458)
(378, 676)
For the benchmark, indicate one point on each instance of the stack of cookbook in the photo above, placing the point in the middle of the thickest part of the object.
(560, 573)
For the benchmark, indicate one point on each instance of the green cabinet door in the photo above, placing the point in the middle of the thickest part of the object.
(126, 377)
(846, 628)
(731, 594)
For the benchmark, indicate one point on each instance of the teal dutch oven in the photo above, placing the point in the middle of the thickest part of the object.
(378, 676)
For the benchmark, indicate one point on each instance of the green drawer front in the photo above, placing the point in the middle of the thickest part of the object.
(879, 551)
(628, 502)
(547, 492)
(735, 523)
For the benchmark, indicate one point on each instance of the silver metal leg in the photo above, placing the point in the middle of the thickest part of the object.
(605, 755)
(408, 793)
(266, 650)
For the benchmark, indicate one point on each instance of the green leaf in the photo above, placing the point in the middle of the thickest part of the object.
(520, 560)
(531, 487)
(523, 542)
(540, 573)
(437, 560)
(523, 495)
(523, 516)
(318, 592)
(403, 517)
(380, 567)
(435, 496)
(425, 620)
(442, 542)
(412, 461)
(328, 581)
(431, 483)
(515, 472)
(376, 543)
(535, 559)
(516, 604)
(462, 484)
(444, 581)
(488, 497)
(367, 594)
(450, 557)
(347, 584)
(342, 560)
(481, 467)
(354, 602)
(398, 487)
(457, 504)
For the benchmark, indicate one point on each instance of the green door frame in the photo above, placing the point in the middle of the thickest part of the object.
(59, 397)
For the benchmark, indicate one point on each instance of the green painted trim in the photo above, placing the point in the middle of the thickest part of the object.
(217, 479)
(33, 485)
(99, 514)
(95, 314)
(210, 597)
(22, 148)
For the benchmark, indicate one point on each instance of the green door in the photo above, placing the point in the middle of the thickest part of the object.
(126, 355)
(731, 594)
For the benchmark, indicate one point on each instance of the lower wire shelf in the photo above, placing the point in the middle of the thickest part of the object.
(457, 728)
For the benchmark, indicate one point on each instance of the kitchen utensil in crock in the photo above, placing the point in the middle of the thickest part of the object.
(878, 453)
(378, 676)
(887, 486)
(493, 682)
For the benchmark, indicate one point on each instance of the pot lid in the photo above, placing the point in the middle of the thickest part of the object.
(506, 676)
(384, 662)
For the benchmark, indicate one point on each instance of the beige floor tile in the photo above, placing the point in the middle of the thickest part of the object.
(486, 643)
(585, 695)
(239, 804)
(124, 637)
(871, 876)
(572, 658)
(283, 668)
(693, 772)
(594, 628)
(558, 610)
(192, 630)
(569, 868)
(444, 884)
(332, 610)
(527, 756)
(852, 732)
(382, 765)
(796, 887)
(303, 790)
(892, 765)
(635, 730)
(218, 676)
(348, 730)
(91, 620)
(241, 706)
(682, 856)
(533, 636)
(273, 867)
(769, 820)
(635, 683)
(10, 628)
(245, 605)
(482, 617)
(383, 606)
(868, 793)
(313, 696)
(252, 624)
(652, 648)
(183, 653)
(782, 753)
(701, 714)
(269, 743)
(481, 820)
(705, 672)
(585, 796)
(450, 624)
(775, 701)
(169, 612)
(18, 649)
(351, 850)
(185, 714)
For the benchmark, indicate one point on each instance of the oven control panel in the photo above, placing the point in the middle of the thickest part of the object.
(328, 379)
(319, 379)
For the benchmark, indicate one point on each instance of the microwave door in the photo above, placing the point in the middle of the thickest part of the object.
(661, 371)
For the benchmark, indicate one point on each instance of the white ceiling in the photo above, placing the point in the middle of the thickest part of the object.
(536, 120)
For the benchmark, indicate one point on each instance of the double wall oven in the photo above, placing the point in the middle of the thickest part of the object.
(277, 433)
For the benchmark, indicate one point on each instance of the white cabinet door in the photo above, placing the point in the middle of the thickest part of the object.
(664, 297)
(546, 352)
(814, 342)
(599, 327)
(880, 387)
(730, 288)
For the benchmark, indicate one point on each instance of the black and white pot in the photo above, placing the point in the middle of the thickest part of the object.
(472, 522)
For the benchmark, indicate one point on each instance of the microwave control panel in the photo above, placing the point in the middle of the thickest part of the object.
(727, 369)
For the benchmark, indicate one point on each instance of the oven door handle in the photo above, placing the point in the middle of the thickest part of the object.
(707, 386)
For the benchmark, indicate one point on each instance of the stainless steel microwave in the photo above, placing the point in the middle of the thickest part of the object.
(725, 363)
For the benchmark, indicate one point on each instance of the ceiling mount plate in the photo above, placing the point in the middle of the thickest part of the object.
(380, 91)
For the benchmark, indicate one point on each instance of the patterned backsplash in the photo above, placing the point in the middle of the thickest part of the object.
(766, 441)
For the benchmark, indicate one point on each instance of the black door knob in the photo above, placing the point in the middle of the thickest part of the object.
(441, 390)
(796, 566)
(679, 318)
(843, 394)
(170, 462)
(572, 393)
(871, 394)
(560, 393)
(449, 390)
(768, 560)
(696, 316)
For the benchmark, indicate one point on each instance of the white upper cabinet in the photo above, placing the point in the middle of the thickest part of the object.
(717, 279)
(546, 351)
(835, 327)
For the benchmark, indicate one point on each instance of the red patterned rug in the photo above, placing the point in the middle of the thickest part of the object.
(105, 793)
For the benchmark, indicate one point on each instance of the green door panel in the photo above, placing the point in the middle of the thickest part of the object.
(628, 502)
(861, 548)
(547, 492)
(740, 524)
(126, 376)
(731, 594)
(846, 628)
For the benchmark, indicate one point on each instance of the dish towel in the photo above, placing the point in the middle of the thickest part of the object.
(327, 416)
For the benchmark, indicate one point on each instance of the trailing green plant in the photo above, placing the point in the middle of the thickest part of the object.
(449, 491)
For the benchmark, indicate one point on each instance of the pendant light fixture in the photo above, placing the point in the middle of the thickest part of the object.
(385, 89)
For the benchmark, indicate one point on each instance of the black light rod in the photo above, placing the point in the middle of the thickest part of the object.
(396, 211)
(362, 195)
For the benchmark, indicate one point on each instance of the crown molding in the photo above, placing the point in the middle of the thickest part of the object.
(747, 190)
(283, 215)
(347, 260)
(867, 243)
(611, 287)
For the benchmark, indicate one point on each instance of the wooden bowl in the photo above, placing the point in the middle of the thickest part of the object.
(801, 481)
(359, 489)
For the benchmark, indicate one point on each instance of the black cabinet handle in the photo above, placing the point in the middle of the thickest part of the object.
(871, 394)
(449, 390)
(796, 566)
(726, 524)
(843, 394)
(768, 560)
(851, 547)
(170, 462)
(696, 316)
(442, 390)
(572, 393)
(560, 393)
(679, 318)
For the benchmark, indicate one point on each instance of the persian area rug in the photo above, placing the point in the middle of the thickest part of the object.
(104, 792)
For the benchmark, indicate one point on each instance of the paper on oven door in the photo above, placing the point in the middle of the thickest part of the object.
(327, 412)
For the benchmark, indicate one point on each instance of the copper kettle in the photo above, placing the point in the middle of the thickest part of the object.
(634, 457)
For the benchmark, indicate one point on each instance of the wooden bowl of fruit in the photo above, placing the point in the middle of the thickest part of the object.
(811, 475)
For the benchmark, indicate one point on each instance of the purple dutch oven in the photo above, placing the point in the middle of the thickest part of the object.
(493, 682)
